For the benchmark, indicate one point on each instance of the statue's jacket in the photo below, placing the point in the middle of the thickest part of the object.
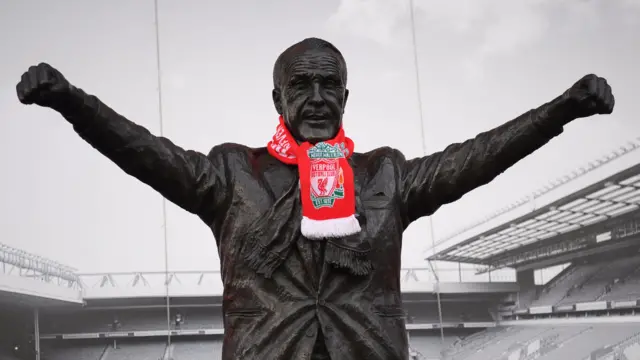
(307, 302)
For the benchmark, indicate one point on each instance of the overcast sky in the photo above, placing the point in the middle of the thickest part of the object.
(482, 62)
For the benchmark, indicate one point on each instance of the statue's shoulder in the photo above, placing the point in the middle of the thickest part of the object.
(237, 150)
(381, 153)
(237, 157)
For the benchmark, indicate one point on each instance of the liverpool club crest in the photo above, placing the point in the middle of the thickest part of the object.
(327, 179)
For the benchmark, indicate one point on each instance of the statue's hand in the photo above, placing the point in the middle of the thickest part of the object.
(589, 96)
(45, 86)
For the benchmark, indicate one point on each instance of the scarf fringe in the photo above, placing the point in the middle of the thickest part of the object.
(355, 262)
(330, 228)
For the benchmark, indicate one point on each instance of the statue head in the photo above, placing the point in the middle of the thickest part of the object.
(309, 89)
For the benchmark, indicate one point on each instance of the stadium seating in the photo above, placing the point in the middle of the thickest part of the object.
(452, 312)
(559, 342)
(7, 356)
(73, 351)
(595, 286)
(71, 323)
(202, 320)
(471, 344)
(603, 280)
(197, 350)
(129, 320)
(556, 290)
(626, 288)
(430, 346)
(136, 351)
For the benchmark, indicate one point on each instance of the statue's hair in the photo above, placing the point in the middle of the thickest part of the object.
(284, 60)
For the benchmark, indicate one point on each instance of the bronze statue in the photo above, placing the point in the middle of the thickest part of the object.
(309, 232)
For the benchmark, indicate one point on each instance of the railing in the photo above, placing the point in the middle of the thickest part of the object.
(603, 292)
(21, 263)
(213, 278)
(566, 272)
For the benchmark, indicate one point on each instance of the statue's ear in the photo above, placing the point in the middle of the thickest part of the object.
(346, 97)
(277, 100)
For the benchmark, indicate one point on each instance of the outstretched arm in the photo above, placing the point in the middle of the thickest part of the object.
(444, 177)
(432, 181)
(190, 179)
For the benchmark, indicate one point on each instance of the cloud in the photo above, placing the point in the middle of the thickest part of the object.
(495, 26)
(383, 20)
(490, 27)
(374, 20)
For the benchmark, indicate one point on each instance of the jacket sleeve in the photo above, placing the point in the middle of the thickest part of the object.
(444, 177)
(191, 180)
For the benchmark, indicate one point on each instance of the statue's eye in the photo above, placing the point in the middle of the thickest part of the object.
(297, 82)
(332, 82)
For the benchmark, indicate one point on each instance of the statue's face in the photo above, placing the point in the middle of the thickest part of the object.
(313, 95)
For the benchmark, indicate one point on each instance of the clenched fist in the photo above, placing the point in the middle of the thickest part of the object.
(45, 86)
(591, 95)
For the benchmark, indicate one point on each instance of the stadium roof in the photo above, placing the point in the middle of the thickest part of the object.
(612, 197)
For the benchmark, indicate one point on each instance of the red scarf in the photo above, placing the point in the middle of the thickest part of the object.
(326, 182)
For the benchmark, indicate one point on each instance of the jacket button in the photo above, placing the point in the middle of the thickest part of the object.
(311, 332)
(320, 302)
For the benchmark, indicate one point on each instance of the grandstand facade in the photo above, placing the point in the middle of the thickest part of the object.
(125, 316)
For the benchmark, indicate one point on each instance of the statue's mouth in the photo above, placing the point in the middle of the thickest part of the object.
(317, 117)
